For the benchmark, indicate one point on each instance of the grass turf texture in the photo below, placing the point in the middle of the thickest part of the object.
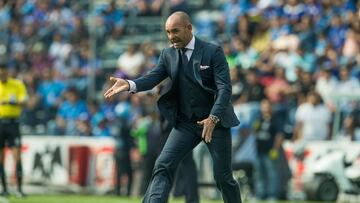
(95, 199)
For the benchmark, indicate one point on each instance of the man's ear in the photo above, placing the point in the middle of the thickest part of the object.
(189, 26)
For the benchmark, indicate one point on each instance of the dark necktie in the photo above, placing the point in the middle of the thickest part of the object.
(183, 56)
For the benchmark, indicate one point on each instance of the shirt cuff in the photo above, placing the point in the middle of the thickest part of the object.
(132, 85)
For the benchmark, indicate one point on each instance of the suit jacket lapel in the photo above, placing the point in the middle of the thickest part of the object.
(196, 59)
(174, 66)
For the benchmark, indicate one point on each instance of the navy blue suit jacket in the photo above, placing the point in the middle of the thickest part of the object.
(214, 79)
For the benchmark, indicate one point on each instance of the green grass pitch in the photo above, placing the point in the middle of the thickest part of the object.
(96, 199)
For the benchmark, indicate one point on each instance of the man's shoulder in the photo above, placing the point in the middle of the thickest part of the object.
(168, 50)
(208, 44)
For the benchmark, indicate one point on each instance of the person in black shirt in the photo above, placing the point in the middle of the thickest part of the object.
(124, 143)
(269, 140)
(253, 90)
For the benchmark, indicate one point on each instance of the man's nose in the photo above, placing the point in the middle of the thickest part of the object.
(171, 36)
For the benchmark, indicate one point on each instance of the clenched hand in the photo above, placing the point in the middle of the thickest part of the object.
(120, 85)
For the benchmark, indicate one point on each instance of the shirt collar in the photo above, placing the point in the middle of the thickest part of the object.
(191, 44)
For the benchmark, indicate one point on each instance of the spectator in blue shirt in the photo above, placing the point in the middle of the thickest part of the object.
(114, 17)
(231, 11)
(294, 10)
(4, 14)
(279, 28)
(306, 34)
(312, 8)
(70, 110)
(50, 91)
(97, 120)
(337, 32)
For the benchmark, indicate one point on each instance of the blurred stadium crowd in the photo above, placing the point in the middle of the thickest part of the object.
(294, 54)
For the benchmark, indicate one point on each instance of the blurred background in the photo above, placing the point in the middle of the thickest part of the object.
(297, 60)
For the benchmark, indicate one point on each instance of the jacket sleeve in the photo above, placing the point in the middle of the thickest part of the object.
(222, 83)
(154, 77)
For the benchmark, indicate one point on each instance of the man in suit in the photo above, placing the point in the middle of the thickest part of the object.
(197, 104)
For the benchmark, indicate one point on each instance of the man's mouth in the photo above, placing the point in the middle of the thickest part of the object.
(176, 44)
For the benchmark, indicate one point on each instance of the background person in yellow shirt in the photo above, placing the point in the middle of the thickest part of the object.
(12, 98)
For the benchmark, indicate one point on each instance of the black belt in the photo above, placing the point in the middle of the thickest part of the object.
(9, 120)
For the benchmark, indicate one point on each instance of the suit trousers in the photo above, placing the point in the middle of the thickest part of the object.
(182, 139)
(186, 180)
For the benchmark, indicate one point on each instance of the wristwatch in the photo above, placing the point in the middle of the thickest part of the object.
(214, 119)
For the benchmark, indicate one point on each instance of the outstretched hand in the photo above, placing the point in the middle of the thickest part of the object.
(208, 128)
(120, 85)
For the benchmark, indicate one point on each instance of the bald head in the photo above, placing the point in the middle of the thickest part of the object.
(179, 29)
(179, 17)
